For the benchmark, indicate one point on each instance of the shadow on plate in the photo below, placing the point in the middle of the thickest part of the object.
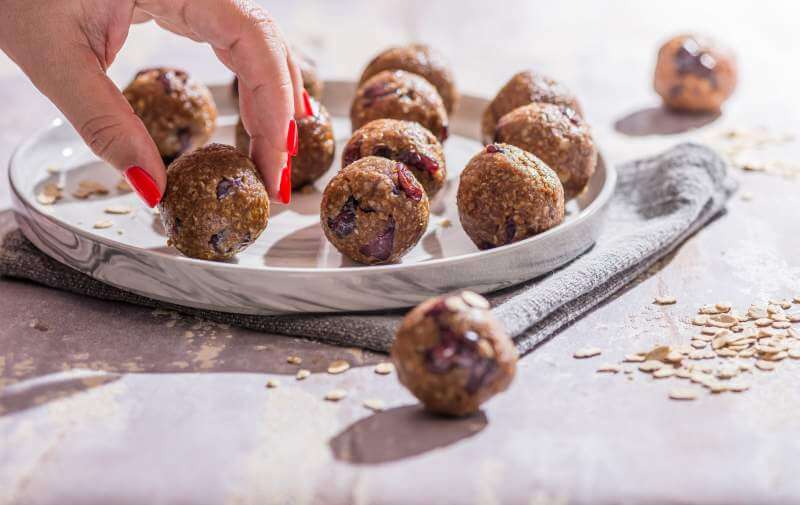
(661, 121)
(400, 433)
(24, 399)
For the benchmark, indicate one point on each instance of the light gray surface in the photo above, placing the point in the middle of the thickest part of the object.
(291, 268)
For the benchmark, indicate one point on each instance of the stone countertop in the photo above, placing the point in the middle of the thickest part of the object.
(105, 402)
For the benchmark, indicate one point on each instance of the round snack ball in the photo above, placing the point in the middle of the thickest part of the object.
(404, 141)
(524, 88)
(374, 210)
(396, 94)
(178, 112)
(506, 195)
(556, 135)
(452, 354)
(215, 204)
(418, 59)
(315, 150)
(694, 74)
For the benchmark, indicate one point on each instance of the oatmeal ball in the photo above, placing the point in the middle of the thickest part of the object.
(506, 195)
(557, 136)
(404, 141)
(215, 204)
(374, 210)
(315, 150)
(308, 69)
(524, 88)
(452, 354)
(178, 112)
(694, 74)
(418, 59)
(396, 94)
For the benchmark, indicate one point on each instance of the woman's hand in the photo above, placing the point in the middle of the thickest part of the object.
(65, 47)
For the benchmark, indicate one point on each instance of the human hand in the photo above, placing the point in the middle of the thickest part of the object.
(66, 46)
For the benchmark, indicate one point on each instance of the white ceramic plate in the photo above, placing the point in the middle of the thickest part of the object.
(291, 268)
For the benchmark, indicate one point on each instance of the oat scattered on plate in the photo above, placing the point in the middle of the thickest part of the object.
(335, 395)
(87, 188)
(118, 210)
(587, 352)
(103, 224)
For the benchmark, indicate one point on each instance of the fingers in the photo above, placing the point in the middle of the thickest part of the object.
(297, 85)
(105, 121)
(247, 40)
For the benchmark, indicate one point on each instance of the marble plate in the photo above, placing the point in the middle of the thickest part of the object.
(291, 268)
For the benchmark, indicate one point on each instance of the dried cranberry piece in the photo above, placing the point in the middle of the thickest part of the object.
(445, 133)
(408, 183)
(572, 115)
(217, 241)
(377, 91)
(418, 161)
(185, 138)
(228, 185)
(351, 153)
(345, 222)
(493, 148)
(381, 246)
(511, 230)
(383, 151)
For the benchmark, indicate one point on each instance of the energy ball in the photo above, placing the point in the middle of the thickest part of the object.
(506, 195)
(524, 88)
(418, 59)
(178, 112)
(396, 94)
(694, 74)
(215, 204)
(404, 141)
(374, 210)
(453, 355)
(315, 150)
(556, 135)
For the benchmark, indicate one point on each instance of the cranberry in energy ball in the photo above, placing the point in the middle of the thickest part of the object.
(374, 210)
(695, 74)
(403, 141)
(396, 94)
(215, 204)
(452, 354)
(178, 112)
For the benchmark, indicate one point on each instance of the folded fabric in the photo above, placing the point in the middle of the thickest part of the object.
(658, 203)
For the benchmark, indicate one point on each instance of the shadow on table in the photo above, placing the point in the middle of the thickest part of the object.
(661, 121)
(400, 433)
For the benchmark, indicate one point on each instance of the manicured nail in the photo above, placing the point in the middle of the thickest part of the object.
(285, 190)
(144, 184)
(291, 138)
(307, 104)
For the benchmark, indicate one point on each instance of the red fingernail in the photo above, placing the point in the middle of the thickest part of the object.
(285, 191)
(144, 184)
(307, 104)
(291, 138)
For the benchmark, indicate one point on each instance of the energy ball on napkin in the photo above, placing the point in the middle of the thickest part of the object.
(178, 112)
(404, 141)
(453, 355)
(524, 88)
(315, 150)
(215, 204)
(694, 74)
(418, 59)
(396, 94)
(506, 195)
(558, 136)
(374, 210)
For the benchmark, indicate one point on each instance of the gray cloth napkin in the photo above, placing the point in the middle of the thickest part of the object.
(659, 202)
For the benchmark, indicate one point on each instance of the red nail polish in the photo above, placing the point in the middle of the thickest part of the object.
(307, 104)
(144, 184)
(291, 138)
(285, 190)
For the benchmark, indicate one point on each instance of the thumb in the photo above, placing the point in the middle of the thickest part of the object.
(106, 122)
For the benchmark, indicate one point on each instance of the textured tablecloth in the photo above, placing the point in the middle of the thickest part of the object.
(658, 203)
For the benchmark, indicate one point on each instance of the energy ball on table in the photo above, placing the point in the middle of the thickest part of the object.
(694, 74)
(315, 150)
(396, 94)
(215, 204)
(524, 88)
(453, 355)
(506, 195)
(374, 210)
(556, 135)
(178, 112)
(418, 59)
(404, 141)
